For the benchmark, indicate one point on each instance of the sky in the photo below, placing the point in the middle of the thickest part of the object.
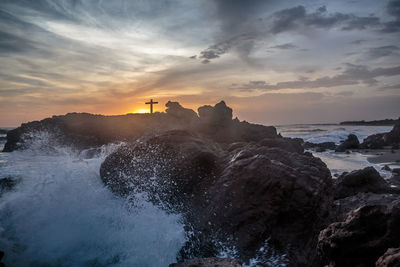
(274, 62)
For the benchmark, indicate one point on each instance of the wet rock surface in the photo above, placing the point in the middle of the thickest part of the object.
(350, 143)
(362, 181)
(242, 194)
(362, 237)
(377, 141)
(391, 258)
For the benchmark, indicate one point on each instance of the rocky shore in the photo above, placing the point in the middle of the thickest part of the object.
(242, 186)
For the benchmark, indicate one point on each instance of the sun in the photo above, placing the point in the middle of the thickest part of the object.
(141, 111)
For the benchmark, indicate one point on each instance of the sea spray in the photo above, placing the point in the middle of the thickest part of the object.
(60, 213)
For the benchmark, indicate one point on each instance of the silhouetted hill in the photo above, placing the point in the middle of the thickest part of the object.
(84, 130)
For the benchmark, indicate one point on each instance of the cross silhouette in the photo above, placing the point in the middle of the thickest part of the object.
(151, 103)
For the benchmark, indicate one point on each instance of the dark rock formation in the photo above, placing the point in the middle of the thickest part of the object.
(320, 147)
(381, 140)
(208, 262)
(391, 258)
(3, 131)
(362, 181)
(242, 194)
(350, 143)
(362, 238)
(82, 130)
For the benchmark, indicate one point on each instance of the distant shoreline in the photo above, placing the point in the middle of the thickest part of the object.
(385, 122)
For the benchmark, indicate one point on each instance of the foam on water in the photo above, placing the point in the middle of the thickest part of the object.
(337, 162)
(330, 133)
(61, 214)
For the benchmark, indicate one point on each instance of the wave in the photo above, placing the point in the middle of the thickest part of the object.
(60, 213)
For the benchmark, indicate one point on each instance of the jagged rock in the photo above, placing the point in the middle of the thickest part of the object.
(219, 115)
(245, 193)
(83, 131)
(350, 143)
(185, 114)
(380, 140)
(391, 258)
(288, 144)
(362, 238)
(208, 262)
(386, 168)
(365, 180)
(321, 146)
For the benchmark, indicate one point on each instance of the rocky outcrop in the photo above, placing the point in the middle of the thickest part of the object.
(362, 181)
(83, 131)
(208, 262)
(320, 147)
(362, 237)
(381, 140)
(242, 194)
(350, 143)
(391, 258)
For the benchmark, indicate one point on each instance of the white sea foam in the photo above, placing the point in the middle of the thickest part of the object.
(61, 214)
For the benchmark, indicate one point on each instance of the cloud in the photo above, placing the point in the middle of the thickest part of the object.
(285, 46)
(242, 27)
(393, 9)
(390, 87)
(353, 75)
(382, 51)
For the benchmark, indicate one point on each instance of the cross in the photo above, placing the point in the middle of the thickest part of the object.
(151, 103)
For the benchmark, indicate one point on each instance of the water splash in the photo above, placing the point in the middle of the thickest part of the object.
(61, 214)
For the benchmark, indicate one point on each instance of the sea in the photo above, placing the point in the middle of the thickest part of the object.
(59, 213)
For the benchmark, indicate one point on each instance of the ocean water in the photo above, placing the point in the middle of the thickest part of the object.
(337, 162)
(60, 213)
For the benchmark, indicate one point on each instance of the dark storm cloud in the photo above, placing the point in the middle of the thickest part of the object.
(244, 24)
(353, 75)
(393, 9)
(295, 18)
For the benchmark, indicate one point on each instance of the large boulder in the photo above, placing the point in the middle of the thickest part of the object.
(268, 193)
(362, 237)
(350, 143)
(240, 195)
(381, 140)
(362, 181)
(186, 115)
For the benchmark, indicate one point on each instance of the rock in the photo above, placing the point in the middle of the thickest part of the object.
(386, 168)
(242, 194)
(377, 141)
(391, 258)
(362, 237)
(365, 180)
(396, 171)
(184, 114)
(271, 193)
(208, 262)
(82, 130)
(288, 144)
(3, 131)
(350, 143)
(320, 146)
(344, 205)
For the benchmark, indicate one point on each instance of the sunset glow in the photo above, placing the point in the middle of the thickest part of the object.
(274, 62)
